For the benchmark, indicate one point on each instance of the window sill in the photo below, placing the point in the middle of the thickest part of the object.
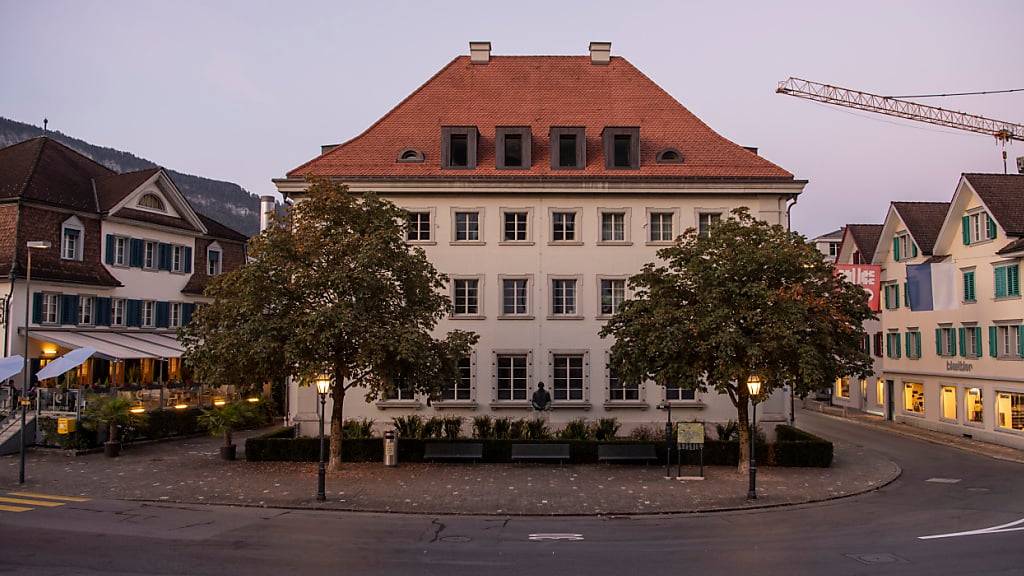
(467, 243)
(454, 404)
(625, 404)
(565, 317)
(421, 242)
(614, 243)
(467, 317)
(388, 404)
(515, 317)
(660, 242)
(565, 243)
(1013, 358)
(569, 405)
(698, 404)
(511, 405)
(913, 414)
(516, 243)
(968, 301)
(1005, 298)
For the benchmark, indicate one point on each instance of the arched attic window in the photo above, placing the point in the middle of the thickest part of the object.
(410, 155)
(151, 201)
(669, 156)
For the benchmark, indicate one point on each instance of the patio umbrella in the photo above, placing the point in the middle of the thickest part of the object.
(69, 361)
(10, 367)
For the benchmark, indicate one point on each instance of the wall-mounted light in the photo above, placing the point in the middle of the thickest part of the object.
(252, 399)
(180, 406)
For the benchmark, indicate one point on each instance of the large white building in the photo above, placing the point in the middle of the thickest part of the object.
(954, 344)
(539, 184)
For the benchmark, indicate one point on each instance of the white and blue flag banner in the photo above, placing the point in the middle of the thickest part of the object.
(932, 286)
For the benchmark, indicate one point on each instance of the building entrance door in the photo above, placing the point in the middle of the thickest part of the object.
(889, 401)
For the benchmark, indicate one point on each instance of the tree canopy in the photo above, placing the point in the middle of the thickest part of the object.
(746, 298)
(332, 288)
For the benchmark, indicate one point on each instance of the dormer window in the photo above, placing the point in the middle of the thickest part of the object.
(151, 201)
(622, 147)
(903, 247)
(669, 156)
(72, 237)
(214, 260)
(978, 227)
(458, 147)
(568, 148)
(513, 146)
(410, 155)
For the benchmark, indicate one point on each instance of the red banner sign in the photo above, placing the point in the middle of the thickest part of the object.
(868, 277)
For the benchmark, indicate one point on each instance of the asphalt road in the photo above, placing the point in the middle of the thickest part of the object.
(875, 533)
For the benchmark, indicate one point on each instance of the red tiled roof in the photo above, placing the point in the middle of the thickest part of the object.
(540, 92)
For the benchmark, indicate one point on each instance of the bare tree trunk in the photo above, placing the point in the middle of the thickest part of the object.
(337, 419)
(743, 425)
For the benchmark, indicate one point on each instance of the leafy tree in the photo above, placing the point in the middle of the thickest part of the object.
(332, 288)
(746, 299)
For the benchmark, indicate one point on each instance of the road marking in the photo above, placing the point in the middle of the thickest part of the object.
(556, 536)
(1008, 527)
(26, 501)
(49, 496)
(13, 508)
(943, 480)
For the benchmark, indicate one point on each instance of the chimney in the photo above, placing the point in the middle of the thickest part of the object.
(600, 52)
(479, 52)
(268, 205)
(325, 148)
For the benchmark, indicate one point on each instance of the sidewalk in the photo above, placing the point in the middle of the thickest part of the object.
(996, 451)
(190, 471)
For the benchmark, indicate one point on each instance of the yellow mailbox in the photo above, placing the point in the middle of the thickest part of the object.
(65, 425)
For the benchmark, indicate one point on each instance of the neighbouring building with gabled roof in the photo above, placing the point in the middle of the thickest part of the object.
(539, 184)
(953, 318)
(128, 260)
(828, 244)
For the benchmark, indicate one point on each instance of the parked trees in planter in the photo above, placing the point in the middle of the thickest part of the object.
(224, 420)
(112, 412)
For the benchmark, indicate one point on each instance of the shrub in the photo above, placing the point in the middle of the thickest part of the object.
(408, 426)
(647, 434)
(452, 427)
(728, 432)
(353, 428)
(795, 447)
(606, 429)
(81, 439)
(432, 428)
(503, 428)
(483, 427)
(537, 429)
(518, 430)
(577, 429)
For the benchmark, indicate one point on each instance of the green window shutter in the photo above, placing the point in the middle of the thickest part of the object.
(888, 298)
(906, 295)
(913, 249)
(110, 249)
(1001, 281)
(917, 344)
(965, 224)
(899, 352)
(962, 337)
(896, 296)
(1020, 340)
(977, 341)
(969, 286)
(188, 260)
(896, 248)
(135, 246)
(1013, 280)
(37, 308)
(991, 226)
(993, 348)
(908, 345)
(938, 341)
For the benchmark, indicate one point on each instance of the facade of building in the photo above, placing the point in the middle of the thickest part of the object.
(828, 244)
(954, 329)
(868, 394)
(128, 260)
(539, 185)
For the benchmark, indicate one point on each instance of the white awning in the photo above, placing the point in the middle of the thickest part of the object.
(65, 363)
(104, 348)
(11, 367)
(162, 348)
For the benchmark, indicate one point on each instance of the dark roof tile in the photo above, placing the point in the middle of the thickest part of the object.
(923, 219)
(1003, 194)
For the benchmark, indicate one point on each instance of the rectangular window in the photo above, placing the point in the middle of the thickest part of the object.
(117, 312)
(563, 297)
(1010, 410)
(511, 376)
(567, 151)
(945, 343)
(947, 399)
(567, 376)
(617, 390)
(174, 315)
(1007, 345)
(564, 226)
(149, 255)
(892, 345)
(913, 397)
(973, 405)
(568, 148)
(148, 314)
(621, 147)
(661, 227)
(843, 387)
(513, 297)
(971, 341)
(50, 307)
(86, 310)
(120, 251)
(515, 226)
(613, 226)
(833, 249)
(458, 146)
(613, 292)
(213, 263)
(904, 247)
(880, 392)
(673, 392)
(706, 219)
(467, 226)
(400, 390)
(892, 296)
(1007, 281)
(459, 151)
(969, 295)
(980, 227)
(177, 258)
(913, 344)
(513, 150)
(71, 245)
(460, 389)
(418, 228)
(466, 300)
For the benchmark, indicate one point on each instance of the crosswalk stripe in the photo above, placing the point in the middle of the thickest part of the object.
(27, 502)
(13, 508)
(48, 496)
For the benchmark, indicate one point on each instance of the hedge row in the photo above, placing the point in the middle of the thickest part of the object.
(795, 448)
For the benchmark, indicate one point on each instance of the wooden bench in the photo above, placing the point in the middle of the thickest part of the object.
(626, 452)
(558, 452)
(453, 451)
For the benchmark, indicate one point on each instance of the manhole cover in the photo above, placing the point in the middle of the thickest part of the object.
(879, 558)
(456, 539)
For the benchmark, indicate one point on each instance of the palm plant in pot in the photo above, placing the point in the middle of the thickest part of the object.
(222, 421)
(112, 412)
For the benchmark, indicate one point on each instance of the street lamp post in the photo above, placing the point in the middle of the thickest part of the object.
(323, 385)
(754, 388)
(39, 245)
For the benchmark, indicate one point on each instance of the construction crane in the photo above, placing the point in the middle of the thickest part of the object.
(1002, 131)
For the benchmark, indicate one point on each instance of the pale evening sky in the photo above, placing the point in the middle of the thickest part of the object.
(244, 91)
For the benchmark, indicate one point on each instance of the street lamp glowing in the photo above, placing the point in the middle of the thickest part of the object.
(323, 385)
(754, 385)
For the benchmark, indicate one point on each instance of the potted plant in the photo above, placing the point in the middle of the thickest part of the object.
(113, 412)
(223, 421)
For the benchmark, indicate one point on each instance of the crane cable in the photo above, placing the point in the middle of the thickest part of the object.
(959, 94)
